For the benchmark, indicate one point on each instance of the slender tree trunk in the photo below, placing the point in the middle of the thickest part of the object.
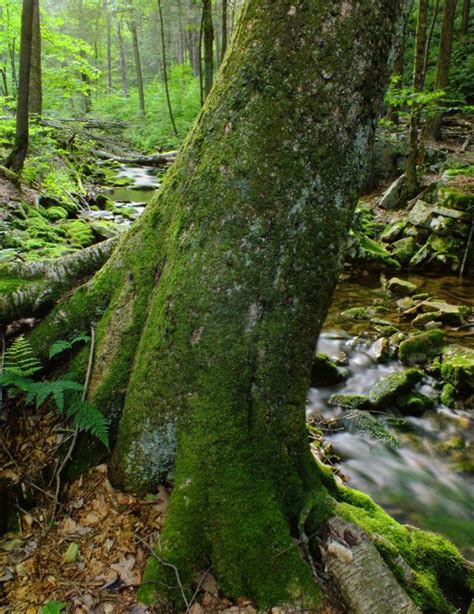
(3, 72)
(138, 65)
(122, 59)
(429, 38)
(201, 73)
(17, 157)
(444, 59)
(13, 65)
(36, 87)
(165, 69)
(398, 71)
(466, 10)
(212, 305)
(86, 94)
(109, 46)
(412, 183)
(208, 35)
(224, 28)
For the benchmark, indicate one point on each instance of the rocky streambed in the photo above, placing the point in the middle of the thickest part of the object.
(393, 386)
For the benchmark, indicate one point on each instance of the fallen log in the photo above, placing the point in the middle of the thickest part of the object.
(28, 288)
(162, 159)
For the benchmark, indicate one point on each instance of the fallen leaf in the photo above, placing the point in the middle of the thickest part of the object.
(125, 570)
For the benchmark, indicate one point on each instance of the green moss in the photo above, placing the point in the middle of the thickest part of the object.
(457, 366)
(325, 371)
(421, 348)
(414, 404)
(56, 213)
(453, 198)
(349, 401)
(79, 233)
(448, 395)
(387, 389)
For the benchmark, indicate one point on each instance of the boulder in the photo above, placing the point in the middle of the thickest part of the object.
(421, 214)
(393, 196)
(393, 231)
(401, 287)
(449, 227)
(420, 257)
(422, 347)
(380, 349)
(404, 249)
(414, 404)
(455, 315)
(387, 389)
(325, 372)
(423, 319)
(457, 366)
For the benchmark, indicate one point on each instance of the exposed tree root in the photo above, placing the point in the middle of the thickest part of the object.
(28, 288)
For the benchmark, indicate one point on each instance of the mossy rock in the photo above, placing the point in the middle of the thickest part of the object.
(446, 252)
(423, 318)
(349, 401)
(404, 250)
(360, 313)
(393, 231)
(457, 366)
(388, 388)
(325, 372)
(56, 213)
(420, 348)
(455, 315)
(453, 198)
(414, 404)
(448, 396)
(401, 287)
(79, 233)
(421, 257)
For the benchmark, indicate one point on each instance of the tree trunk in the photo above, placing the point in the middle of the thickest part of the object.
(398, 71)
(444, 58)
(138, 65)
(211, 306)
(224, 28)
(466, 10)
(165, 69)
(208, 38)
(17, 157)
(36, 88)
(411, 182)
(123, 61)
(109, 46)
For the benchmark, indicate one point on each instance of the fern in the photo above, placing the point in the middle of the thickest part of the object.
(87, 417)
(40, 392)
(20, 359)
(62, 345)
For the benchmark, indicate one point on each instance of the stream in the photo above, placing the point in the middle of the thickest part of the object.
(423, 480)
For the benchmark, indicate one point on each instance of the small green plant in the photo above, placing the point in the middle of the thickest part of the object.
(53, 607)
(20, 365)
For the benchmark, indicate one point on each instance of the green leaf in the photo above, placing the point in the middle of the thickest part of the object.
(53, 607)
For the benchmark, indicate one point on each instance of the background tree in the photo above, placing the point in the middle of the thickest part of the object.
(17, 157)
(208, 40)
(36, 86)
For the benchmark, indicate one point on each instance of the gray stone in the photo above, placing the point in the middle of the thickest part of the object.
(401, 287)
(392, 197)
(421, 214)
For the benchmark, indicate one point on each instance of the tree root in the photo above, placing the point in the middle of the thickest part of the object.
(28, 288)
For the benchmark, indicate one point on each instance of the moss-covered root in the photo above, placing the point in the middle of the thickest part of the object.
(29, 288)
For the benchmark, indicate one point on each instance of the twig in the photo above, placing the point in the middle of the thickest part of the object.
(167, 564)
(198, 588)
(76, 430)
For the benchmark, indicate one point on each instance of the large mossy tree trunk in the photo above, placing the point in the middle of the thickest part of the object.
(208, 312)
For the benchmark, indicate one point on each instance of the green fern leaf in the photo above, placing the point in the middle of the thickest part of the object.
(20, 359)
(62, 345)
(88, 418)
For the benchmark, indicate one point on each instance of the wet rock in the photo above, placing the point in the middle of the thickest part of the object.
(414, 404)
(357, 313)
(325, 372)
(405, 303)
(401, 287)
(349, 401)
(393, 196)
(420, 348)
(380, 349)
(421, 214)
(455, 315)
(404, 249)
(421, 297)
(393, 231)
(448, 396)
(457, 366)
(387, 389)
(423, 319)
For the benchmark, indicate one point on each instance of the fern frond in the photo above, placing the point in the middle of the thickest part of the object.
(88, 418)
(42, 391)
(62, 345)
(20, 358)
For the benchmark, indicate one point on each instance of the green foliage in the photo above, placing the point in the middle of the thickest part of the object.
(53, 607)
(20, 364)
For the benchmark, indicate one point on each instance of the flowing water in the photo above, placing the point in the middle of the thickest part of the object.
(421, 481)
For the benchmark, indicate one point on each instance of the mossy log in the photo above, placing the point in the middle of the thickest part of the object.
(209, 310)
(27, 288)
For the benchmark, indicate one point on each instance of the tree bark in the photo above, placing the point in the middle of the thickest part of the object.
(138, 65)
(36, 87)
(17, 157)
(208, 37)
(108, 46)
(165, 70)
(123, 61)
(224, 29)
(444, 59)
(411, 181)
(466, 10)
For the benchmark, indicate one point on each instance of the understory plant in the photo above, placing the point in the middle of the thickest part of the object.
(20, 365)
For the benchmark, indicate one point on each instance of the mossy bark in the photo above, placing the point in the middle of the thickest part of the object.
(209, 310)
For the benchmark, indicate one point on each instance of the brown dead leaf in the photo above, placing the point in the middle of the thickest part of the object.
(125, 569)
